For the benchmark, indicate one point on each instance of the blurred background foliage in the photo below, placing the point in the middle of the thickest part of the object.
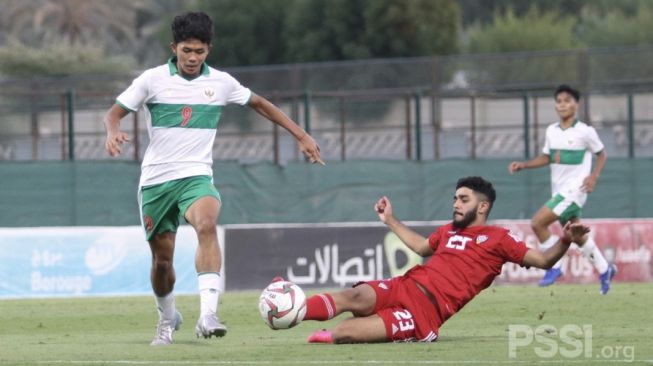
(73, 37)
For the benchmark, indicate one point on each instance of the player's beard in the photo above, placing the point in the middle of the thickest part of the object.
(467, 219)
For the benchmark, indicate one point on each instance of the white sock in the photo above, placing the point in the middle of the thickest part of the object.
(593, 254)
(209, 285)
(166, 306)
(548, 243)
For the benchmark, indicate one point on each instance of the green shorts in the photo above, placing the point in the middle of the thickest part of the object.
(564, 208)
(162, 204)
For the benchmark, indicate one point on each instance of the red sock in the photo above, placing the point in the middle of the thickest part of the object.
(320, 307)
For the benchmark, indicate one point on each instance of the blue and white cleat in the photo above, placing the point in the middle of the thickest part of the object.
(606, 278)
(550, 277)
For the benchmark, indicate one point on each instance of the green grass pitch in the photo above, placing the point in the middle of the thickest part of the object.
(117, 331)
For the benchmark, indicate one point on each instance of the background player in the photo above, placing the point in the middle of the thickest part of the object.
(184, 100)
(466, 256)
(568, 151)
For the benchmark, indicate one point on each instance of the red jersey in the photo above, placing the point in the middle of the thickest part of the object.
(465, 262)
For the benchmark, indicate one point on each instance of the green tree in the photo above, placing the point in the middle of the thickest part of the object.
(411, 28)
(532, 32)
(616, 27)
(321, 30)
(247, 32)
(75, 21)
(484, 11)
(129, 27)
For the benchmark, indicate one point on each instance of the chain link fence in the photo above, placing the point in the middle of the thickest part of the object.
(460, 106)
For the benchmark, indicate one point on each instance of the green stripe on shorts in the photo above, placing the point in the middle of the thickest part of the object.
(571, 212)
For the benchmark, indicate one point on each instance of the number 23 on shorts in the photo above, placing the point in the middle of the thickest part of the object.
(404, 320)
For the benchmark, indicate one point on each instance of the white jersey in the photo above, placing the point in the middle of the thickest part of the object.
(182, 117)
(570, 156)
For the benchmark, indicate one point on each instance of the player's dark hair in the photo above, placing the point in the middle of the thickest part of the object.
(564, 88)
(193, 25)
(480, 186)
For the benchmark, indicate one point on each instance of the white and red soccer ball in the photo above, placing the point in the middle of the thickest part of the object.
(282, 305)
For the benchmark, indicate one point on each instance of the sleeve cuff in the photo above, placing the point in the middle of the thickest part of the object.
(124, 106)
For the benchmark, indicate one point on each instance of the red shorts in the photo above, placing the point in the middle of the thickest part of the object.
(407, 312)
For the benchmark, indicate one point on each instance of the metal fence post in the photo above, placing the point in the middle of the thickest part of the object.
(409, 144)
(71, 124)
(631, 126)
(583, 69)
(343, 129)
(307, 111)
(307, 114)
(418, 125)
(527, 145)
(136, 140)
(472, 138)
(436, 76)
(275, 132)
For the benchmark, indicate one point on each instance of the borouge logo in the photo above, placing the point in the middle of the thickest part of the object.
(106, 254)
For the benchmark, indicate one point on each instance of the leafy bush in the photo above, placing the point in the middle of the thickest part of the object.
(60, 59)
(615, 28)
(533, 32)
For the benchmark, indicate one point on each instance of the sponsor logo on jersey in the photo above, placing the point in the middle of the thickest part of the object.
(481, 239)
(383, 285)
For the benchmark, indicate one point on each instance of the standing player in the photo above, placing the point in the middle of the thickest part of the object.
(568, 151)
(184, 99)
(466, 256)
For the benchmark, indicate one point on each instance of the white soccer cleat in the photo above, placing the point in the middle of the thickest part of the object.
(164, 329)
(208, 326)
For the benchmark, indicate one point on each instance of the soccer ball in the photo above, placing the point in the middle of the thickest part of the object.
(282, 305)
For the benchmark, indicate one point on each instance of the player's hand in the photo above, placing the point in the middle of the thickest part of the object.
(515, 166)
(114, 142)
(383, 208)
(575, 232)
(588, 184)
(310, 149)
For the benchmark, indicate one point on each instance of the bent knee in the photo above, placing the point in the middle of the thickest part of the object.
(162, 264)
(205, 227)
(357, 301)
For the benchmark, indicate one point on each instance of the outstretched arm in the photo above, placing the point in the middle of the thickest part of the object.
(413, 240)
(115, 137)
(573, 233)
(307, 144)
(536, 162)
